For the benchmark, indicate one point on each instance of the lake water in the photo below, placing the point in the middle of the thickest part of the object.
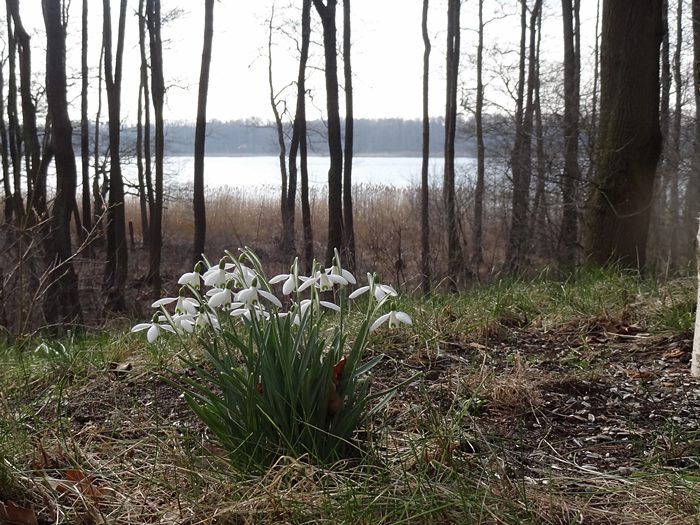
(262, 173)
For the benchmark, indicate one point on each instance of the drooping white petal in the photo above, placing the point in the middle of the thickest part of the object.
(267, 295)
(164, 301)
(220, 299)
(308, 283)
(348, 276)
(141, 326)
(189, 278)
(279, 278)
(289, 285)
(358, 292)
(330, 305)
(403, 317)
(247, 295)
(153, 333)
(379, 322)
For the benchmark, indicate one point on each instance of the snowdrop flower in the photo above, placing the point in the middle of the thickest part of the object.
(337, 269)
(218, 275)
(248, 310)
(219, 297)
(251, 295)
(154, 328)
(291, 283)
(380, 291)
(192, 279)
(324, 281)
(394, 318)
(184, 322)
(184, 304)
(304, 306)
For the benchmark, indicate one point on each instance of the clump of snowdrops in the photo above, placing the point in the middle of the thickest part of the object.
(279, 380)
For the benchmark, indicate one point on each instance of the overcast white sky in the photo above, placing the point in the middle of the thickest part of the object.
(387, 54)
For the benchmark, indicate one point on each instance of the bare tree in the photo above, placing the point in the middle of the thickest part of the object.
(153, 21)
(198, 203)
(629, 140)
(571, 175)
(84, 121)
(117, 255)
(348, 225)
(62, 304)
(298, 144)
(335, 147)
(522, 150)
(425, 190)
(455, 257)
(478, 243)
(692, 198)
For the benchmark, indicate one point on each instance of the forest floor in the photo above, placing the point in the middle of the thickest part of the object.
(528, 402)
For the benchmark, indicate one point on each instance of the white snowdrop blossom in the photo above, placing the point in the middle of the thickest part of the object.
(218, 275)
(380, 291)
(154, 329)
(184, 304)
(394, 318)
(291, 283)
(252, 294)
(220, 297)
(184, 322)
(192, 279)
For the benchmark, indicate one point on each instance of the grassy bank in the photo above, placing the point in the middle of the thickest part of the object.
(536, 401)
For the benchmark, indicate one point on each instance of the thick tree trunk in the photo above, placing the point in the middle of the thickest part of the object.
(571, 174)
(335, 145)
(455, 257)
(695, 363)
(630, 137)
(425, 185)
(153, 20)
(117, 257)
(61, 304)
(198, 203)
(15, 132)
(692, 198)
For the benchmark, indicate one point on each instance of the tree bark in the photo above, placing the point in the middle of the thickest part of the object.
(36, 185)
(146, 127)
(285, 238)
(335, 146)
(629, 137)
(117, 257)
(198, 203)
(85, 123)
(62, 304)
(522, 160)
(348, 223)
(15, 131)
(675, 143)
(692, 198)
(4, 143)
(571, 174)
(455, 257)
(425, 184)
(153, 20)
(479, 190)
(299, 142)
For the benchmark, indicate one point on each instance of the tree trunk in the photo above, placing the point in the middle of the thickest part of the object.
(85, 123)
(153, 20)
(5, 145)
(15, 132)
(571, 174)
(348, 227)
(455, 258)
(522, 160)
(97, 194)
(299, 138)
(479, 190)
(285, 238)
(147, 168)
(675, 143)
(198, 203)
(425, 185)
(36, 185)
(630, 136)
(692, 198)
(61, 304)
(335, 146)
(117, 257)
